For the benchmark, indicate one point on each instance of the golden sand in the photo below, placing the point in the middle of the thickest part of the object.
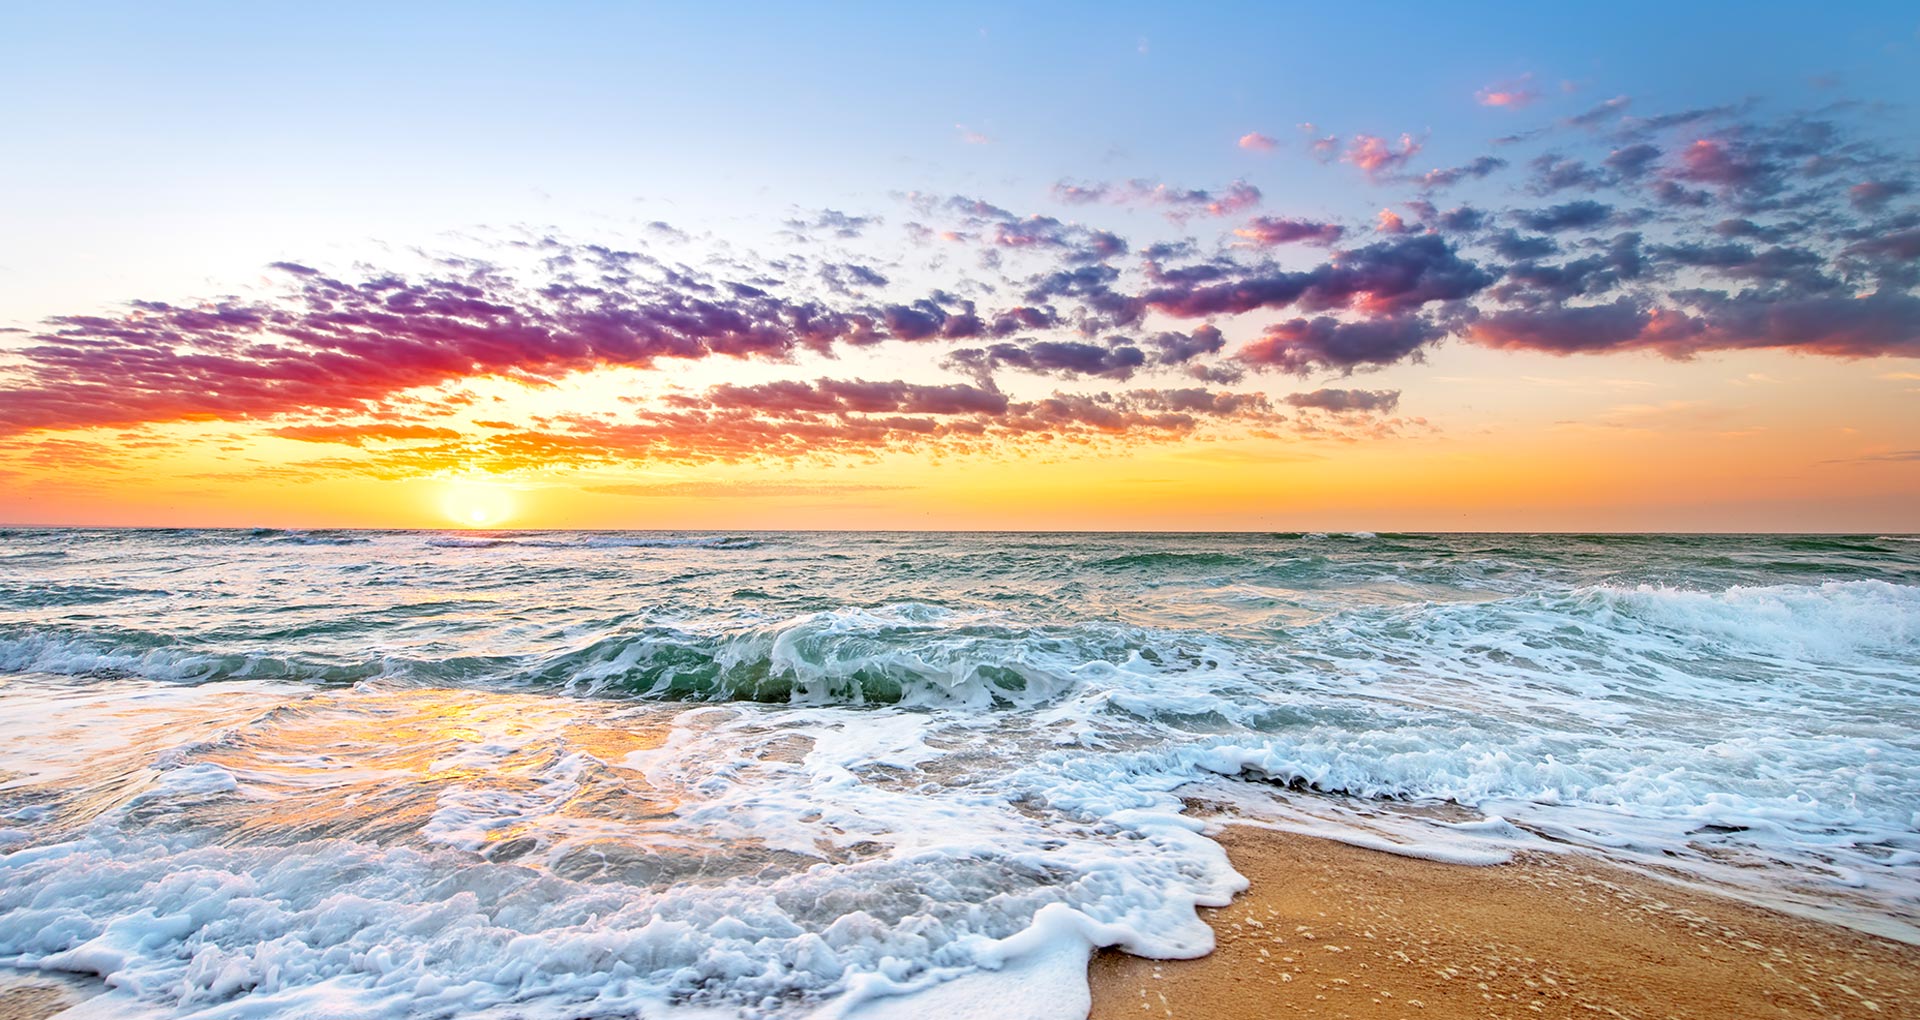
(1330, 930)
(28, 997)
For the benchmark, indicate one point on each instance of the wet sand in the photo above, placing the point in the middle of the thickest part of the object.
(26, 996)
(1330, 930)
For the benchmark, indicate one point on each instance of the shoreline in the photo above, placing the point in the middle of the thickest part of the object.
(1330, 929)
(1333, 930)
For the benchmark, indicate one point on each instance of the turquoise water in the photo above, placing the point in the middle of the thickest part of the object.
(419, 773)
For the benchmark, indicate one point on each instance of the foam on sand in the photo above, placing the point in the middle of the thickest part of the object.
(1352, 932)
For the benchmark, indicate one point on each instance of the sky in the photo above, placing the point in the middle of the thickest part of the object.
(1088, 267)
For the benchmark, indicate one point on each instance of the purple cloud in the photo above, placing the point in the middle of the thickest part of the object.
(1304, 345)
(1272, 230)
(1338, 401)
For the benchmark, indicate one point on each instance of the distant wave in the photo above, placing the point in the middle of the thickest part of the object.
(288, 536)
(454, 542)
(35, 554)
(592, 541)
(47, 596)
(323, 538)
(1147, 560)
(1830, 543)
(643, 542)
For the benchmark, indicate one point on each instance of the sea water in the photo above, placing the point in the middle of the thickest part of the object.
(565, 775)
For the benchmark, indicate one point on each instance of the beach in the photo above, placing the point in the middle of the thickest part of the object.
(1332, 930)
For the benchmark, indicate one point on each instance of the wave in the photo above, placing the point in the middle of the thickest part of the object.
(1827, 619)
(322, 538)
(596, 542)
(455, 542)
(280, 536)
(645, 542)
(919, 654)
(1154, 560)
(907, 654)
(49, 596)
(34, 554)
(159, 657)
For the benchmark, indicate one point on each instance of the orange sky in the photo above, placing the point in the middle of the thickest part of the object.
(1752, 441)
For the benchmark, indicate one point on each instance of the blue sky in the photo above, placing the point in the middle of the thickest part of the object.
(262, 129)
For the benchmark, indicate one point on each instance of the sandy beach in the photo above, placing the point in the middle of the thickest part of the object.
(1331, 930)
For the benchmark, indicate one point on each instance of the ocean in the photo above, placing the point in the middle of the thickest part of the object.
(559, 775)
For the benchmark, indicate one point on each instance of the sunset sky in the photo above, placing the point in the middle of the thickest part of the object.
(1341, 266)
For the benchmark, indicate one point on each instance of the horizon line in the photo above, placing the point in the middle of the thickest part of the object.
(1347, 532)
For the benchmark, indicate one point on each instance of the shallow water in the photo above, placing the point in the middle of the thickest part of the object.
(391, 774)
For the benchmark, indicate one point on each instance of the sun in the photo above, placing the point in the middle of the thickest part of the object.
(477, 504)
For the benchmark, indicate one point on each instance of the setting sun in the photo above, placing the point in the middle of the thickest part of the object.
(477, 504)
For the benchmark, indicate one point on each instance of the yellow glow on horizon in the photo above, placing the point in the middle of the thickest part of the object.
(477, 503)
(1758, 441)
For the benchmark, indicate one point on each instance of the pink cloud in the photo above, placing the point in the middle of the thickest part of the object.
(1238, 196)
(1377, 156)
(1256, 142)
(1272, 230)
(1713, 162)
(1512, 94)
(332, 345)
(1179, 203)
(1323, 147)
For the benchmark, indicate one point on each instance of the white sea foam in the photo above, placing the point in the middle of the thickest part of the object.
(929, 885)
(1835, 618)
